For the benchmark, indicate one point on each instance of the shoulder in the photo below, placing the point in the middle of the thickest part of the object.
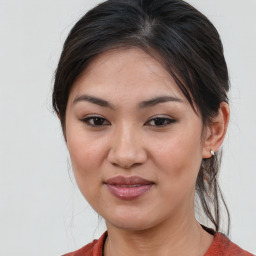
(224, 247)
(92, 249)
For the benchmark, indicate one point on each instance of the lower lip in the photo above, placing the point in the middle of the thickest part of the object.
(128, 192)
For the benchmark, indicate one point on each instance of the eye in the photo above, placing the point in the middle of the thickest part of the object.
(160, 121)
(95, 121)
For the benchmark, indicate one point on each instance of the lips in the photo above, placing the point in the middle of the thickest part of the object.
(128, 188)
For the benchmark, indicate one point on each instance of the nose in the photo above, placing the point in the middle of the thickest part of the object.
(126, 148)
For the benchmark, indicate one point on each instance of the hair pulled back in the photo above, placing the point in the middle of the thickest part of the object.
(186, 43)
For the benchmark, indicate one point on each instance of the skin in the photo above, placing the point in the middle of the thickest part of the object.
(128, 141)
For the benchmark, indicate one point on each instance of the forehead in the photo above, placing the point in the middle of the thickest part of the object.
(125, 73)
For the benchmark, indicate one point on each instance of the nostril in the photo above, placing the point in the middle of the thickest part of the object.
(126, 149)
(127, 160)
(125, 163)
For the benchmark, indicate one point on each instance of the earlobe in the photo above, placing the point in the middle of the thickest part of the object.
(216, 131)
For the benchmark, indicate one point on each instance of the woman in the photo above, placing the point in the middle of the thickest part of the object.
(141, 93)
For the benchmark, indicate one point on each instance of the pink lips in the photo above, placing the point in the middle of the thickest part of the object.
(128, 188)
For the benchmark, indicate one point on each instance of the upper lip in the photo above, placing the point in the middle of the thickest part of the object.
(132, 180)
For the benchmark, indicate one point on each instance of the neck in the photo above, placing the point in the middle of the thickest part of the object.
(181, 238)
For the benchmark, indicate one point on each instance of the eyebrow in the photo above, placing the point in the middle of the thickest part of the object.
(94, 100)
(144, 104)
(158, 100)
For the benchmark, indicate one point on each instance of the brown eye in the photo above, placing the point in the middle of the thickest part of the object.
(160, 121)
(95, 121)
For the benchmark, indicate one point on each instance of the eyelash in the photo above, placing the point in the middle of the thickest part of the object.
(94, 118)
(165, 120)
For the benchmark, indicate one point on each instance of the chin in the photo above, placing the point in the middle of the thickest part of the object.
(131, 220)
(131, 225)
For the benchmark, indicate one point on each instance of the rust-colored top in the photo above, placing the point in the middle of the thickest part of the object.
(221, 246)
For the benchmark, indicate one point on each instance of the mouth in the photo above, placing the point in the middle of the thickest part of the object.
(128, 188)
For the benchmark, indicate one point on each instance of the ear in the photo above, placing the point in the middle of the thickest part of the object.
(58, 114)
(216, 131)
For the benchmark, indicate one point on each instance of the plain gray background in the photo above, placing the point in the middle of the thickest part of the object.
(41, 210)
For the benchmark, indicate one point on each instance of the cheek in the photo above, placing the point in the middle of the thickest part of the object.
(179, 158)
(84, 148)
(87, 155)
(82, 154)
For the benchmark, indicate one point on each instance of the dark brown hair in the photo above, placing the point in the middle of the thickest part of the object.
(186, 43)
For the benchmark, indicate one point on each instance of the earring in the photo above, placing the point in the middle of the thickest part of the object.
(212, 153)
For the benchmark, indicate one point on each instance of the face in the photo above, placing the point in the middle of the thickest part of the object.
(135, 142)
